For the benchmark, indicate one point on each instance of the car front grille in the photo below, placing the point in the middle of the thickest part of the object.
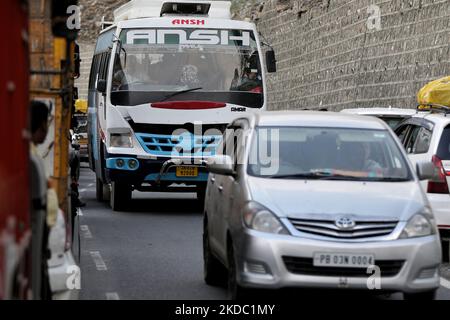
(328, 228)
(305, 266)
(179, 145)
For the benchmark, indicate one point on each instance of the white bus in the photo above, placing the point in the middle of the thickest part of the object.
(166, 79)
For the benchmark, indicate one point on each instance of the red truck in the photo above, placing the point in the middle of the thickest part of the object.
(15, 200)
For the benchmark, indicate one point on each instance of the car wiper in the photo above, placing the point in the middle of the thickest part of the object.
(179, 92)
(319, 175)
(315, 175)
(389, 179)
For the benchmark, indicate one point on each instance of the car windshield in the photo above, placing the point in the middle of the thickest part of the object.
(161, 62)
(393, 121)
(326, 153)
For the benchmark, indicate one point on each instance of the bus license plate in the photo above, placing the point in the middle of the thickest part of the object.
(187, 172)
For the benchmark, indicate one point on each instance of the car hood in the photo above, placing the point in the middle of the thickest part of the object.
(326, 199)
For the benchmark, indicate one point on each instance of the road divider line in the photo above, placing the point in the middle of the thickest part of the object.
(98, 260)
(86, 232)
(112, 296)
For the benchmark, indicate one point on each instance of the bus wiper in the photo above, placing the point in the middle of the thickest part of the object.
(179, 92)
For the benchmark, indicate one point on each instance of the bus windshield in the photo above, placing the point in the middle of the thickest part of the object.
(151, 64)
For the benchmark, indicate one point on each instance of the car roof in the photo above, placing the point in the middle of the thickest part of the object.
(434, 117)
(381, 111)
(317, 119)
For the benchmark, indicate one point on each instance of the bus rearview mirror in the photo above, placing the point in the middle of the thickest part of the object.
(271, 61)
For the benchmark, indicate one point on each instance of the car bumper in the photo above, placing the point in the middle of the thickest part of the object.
(419, 271)
(64, 278)
(440, 204)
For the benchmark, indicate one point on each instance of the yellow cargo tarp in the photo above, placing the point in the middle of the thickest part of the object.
(435, 93)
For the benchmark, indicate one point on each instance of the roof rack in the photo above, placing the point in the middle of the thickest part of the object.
(434, 108)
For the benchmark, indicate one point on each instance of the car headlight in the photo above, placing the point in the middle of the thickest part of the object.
(418, 226)
(121, 140)
(259, 218)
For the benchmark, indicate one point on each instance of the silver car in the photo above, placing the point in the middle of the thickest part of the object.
(318, 200)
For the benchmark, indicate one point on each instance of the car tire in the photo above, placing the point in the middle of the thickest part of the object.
(99, 190)
(120, 196)
(445, 251)
(213, 271)
(201, 195)
(425, 295)
(235, 291)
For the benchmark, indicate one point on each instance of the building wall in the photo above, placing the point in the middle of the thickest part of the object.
(328, 57)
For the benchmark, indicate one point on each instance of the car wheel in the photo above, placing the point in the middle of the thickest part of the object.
(201, 195)
(99, 190)
(426, 295)
(120, 196)
(213, 271)
(235, 291)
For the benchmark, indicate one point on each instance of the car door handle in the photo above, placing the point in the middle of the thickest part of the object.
(220, 189)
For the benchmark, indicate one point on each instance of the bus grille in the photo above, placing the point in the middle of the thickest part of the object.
(187, 145)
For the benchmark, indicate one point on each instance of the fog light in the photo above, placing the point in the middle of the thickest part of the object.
(133, 164)
(255, 267)
(428, 273)
(120, 163)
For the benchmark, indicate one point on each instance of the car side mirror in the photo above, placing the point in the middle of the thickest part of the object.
(271, 61)
(222, 165)
(101, 86)
(426, 170)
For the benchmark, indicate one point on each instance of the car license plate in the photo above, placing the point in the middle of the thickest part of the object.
(343, 260)
(187, 172)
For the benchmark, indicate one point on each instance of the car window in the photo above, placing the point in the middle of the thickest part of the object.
(232, 142)
(402, 133)
(411, 140)
(392, 121)
(444, 145)
(423, 141)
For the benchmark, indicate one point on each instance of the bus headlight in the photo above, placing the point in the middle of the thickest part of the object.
(121, 140)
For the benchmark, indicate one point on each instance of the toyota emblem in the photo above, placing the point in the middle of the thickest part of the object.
(345, 223)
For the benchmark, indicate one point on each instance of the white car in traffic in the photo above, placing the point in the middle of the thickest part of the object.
(426, 137)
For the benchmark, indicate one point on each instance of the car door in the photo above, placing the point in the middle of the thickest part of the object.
(217, 193)
(443, 151)
(228, 186)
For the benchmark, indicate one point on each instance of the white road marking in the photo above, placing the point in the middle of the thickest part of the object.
(83, 190)
(112, 296)
(80, 212)
(90, 184)
(86, 232)
(445, 283)
(98, 260)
